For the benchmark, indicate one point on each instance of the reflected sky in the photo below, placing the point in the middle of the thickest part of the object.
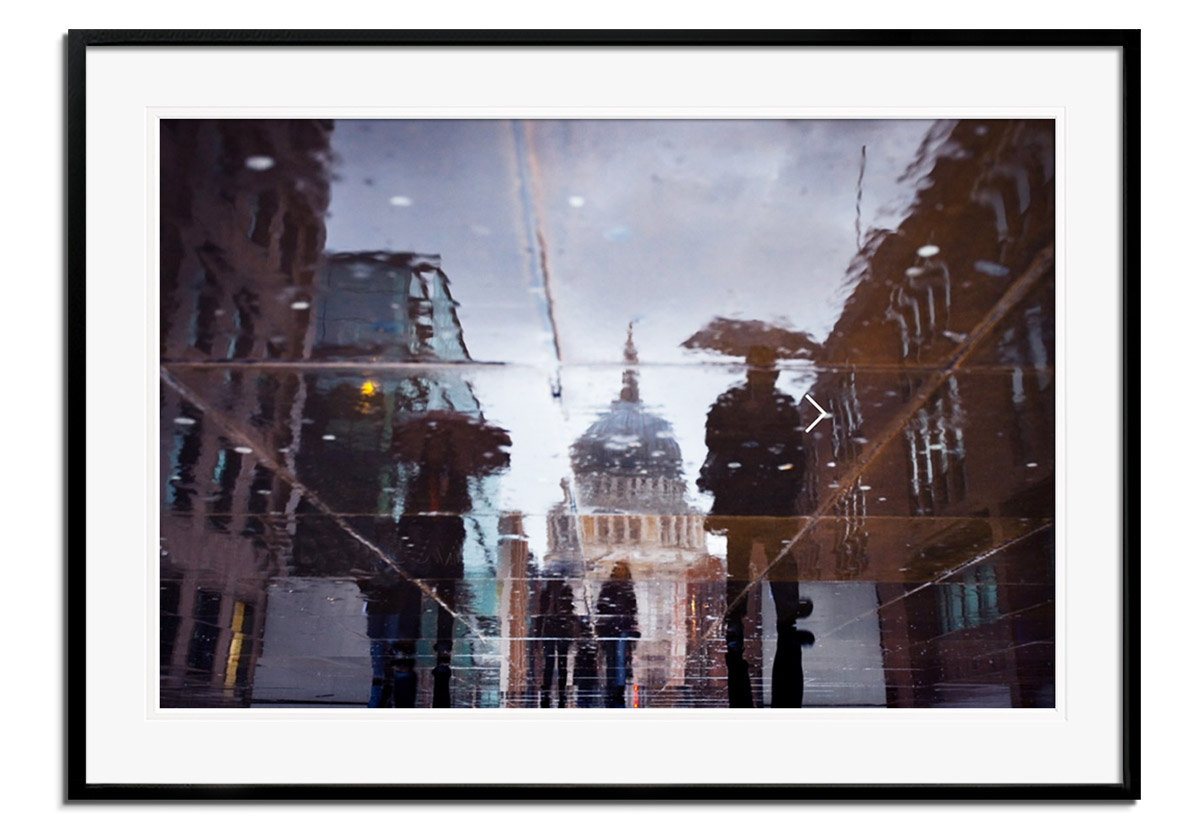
(661, 222)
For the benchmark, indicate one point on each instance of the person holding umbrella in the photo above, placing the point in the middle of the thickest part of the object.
(443, 449)
(755, 472)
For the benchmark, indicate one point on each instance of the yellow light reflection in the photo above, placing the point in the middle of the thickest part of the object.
(235, 646)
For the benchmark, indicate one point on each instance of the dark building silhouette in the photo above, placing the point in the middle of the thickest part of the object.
(278, 474)
(973, 467)
(238, 244)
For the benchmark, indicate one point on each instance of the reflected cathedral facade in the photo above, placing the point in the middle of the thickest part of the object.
(623, 603)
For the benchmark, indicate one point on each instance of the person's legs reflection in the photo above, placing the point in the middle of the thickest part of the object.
(382, 628)
(444, 645)
(614, 656)
(587, 677)
(563, 647)
(548, 660)
(787, 671)
(393, 625)
(555, 655)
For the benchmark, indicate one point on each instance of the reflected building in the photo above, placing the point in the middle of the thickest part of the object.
(645, 592)
(242, 231)
(248, 545)
(411, 455)
(972, 469)
(516, 578)
(386, 306)
(242, 228)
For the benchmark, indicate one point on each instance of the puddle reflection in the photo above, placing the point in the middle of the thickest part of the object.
(559, 414)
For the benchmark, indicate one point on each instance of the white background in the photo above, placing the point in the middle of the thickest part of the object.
(1078, 744)
(32, 345)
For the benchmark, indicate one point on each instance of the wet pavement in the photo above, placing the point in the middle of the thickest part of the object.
(736, 413)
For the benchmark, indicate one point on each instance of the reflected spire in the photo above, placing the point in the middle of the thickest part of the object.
(629, 383)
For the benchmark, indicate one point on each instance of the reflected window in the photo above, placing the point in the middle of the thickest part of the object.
(266, 205)
(937, 475)
(225, 476)
(185, 453)
(206, 631)
(971, 603)
(168, 624)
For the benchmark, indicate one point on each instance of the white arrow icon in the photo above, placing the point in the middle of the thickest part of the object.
(824, 414)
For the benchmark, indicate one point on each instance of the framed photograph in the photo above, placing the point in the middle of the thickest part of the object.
(603, 415)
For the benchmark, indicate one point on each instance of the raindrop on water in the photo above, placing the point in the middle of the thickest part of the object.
(991, 269)
(260, 163)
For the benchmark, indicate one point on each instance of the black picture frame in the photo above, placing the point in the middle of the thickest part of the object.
(79, 43)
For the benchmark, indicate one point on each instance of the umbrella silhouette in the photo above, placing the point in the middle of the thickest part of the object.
(456, 443)
(446, 448)
(736, 337)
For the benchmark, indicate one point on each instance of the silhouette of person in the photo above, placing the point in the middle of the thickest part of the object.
(394, 627)
(556, 625)
(616, 626)
(429, 547)
(755, 472)
(587, 668)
